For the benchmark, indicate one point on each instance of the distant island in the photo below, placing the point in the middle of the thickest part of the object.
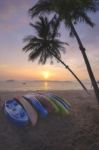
(10, 80)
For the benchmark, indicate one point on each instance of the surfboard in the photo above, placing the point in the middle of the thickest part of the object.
(32, 114)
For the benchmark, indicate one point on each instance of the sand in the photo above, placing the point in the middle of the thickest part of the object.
(77, 131)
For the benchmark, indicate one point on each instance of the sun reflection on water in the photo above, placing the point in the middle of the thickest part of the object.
(46, 85)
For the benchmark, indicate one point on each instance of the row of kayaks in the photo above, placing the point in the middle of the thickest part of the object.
(28, 108)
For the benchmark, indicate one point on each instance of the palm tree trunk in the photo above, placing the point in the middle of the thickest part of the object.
(91, 75)
(67, 67)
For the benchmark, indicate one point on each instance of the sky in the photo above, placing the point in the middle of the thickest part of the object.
(14, 64)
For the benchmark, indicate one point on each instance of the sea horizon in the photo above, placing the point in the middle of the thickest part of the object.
(19, 80)
(28, 85)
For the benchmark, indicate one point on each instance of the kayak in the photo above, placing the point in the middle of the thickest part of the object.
(62, 108)
(32, 113)
(55, 107)
(44, 101)
(65, 103)
(48, 103)
(37, 105)
(15, 113)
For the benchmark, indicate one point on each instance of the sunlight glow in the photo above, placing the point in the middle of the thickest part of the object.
(46, 74)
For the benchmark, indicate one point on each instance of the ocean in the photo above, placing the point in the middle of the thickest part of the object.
(11, 85)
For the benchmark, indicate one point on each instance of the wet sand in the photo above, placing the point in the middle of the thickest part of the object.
(77, 131)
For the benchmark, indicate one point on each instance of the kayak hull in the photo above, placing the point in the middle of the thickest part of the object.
(43, 100)
(15, 113)
(32, 113)
(37, 105)
(59, 104)
(65, 103)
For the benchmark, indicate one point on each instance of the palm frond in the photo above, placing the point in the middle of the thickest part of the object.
(68, 10)
(45, 43)
(34, 54)
(40, 7)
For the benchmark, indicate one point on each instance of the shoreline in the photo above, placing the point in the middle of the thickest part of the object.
(69, 94)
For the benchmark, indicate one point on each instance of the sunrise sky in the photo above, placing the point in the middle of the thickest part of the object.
(14, 64)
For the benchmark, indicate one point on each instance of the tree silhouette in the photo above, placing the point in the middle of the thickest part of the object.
(71, 12)
(46, 44)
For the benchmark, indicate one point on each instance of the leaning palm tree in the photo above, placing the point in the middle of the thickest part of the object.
(46, 44)
(71, 12)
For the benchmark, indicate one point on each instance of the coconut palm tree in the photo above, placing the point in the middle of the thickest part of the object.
(46, 44)
(71, 12)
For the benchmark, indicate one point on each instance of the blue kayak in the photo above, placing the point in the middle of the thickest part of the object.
(15, 113)
(37, 105)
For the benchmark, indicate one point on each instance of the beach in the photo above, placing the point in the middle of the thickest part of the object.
(77, 131)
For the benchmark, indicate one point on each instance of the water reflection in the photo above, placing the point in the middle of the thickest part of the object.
(46, 85)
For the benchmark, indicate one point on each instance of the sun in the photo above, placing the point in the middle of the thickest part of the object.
(46, 74)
